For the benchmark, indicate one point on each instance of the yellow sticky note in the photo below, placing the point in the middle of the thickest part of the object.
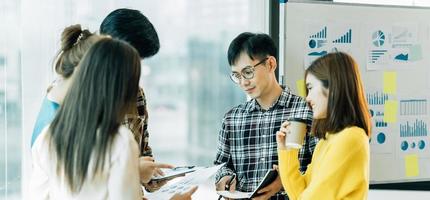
(390, 108)
(301, 87)
(411, 165)
(390, 82)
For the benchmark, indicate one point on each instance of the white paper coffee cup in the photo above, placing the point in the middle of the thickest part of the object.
(297, 132)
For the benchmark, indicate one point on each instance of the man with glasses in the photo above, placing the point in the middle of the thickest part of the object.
(247, 140)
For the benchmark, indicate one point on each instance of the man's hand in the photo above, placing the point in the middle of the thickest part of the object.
(185, 196)
(220, 186)
(153, 186)
(269, 190)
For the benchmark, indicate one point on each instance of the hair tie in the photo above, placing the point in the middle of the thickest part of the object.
(79, 38)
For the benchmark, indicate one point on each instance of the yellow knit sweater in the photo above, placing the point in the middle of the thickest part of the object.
(339, 168)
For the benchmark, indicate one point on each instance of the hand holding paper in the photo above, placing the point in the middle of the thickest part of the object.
(147, 169)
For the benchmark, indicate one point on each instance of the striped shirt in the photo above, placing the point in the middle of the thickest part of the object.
(247, 140)
(137, 122)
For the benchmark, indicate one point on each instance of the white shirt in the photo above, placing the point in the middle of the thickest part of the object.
(118, 180)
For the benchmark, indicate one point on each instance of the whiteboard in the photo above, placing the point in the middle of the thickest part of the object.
(392, 47)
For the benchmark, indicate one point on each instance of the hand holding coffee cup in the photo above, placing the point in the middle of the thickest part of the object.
(292, 133)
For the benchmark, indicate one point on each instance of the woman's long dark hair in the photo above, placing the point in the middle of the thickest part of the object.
(347, 105)
(105, 88)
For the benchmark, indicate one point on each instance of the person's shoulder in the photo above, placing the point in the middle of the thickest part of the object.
(295, 105)
(124, 136)
(141, 95)
(238, 109)
(44, 133)
(355, 130)
(294, 98)
(42, 141)
(290, 99)
(298, 98)
(141, 90)
(49, 105)
(352, 136)
(123, 140)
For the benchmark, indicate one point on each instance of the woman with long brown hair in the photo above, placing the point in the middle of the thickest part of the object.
(85, 153)
(340, 163)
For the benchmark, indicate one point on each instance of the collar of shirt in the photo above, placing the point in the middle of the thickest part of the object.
(282, 101)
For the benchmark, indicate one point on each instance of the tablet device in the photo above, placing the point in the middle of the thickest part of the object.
(174, 172)
(270, 176)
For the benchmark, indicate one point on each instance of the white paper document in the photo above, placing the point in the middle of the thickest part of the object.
(192, 179)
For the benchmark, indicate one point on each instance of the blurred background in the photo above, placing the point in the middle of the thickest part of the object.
(186, 83)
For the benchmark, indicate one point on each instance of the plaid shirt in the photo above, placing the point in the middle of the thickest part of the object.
(247, 140)
(137, 122)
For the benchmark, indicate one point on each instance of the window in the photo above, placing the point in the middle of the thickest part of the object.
(10, 103)
(186, 83)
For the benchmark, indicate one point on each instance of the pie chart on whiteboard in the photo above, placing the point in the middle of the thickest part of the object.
(378, 38)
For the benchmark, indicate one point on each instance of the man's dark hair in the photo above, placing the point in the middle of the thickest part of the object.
(133, 27)
(255, 45)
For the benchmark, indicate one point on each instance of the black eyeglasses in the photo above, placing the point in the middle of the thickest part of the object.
(246, 73)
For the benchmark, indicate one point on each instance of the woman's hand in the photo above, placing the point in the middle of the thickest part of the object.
(185, 196)
(281, 135)
(148, 168)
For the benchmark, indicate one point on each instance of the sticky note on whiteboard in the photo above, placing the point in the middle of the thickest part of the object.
(301, 87)
(390, 108)
(411, 165)
(390, 82)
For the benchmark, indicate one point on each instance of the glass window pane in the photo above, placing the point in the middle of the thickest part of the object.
(187, 83)
(10, 102)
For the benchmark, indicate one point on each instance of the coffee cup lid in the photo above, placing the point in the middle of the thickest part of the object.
(294, 119)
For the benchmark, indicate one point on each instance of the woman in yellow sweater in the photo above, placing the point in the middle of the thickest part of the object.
(340, 163)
